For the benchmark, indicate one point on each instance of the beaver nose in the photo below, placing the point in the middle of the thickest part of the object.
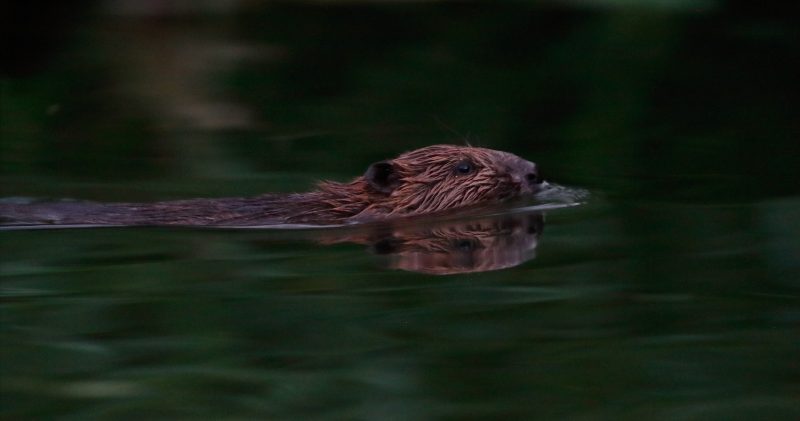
(531, 173)
(533, 177)
(527, 174)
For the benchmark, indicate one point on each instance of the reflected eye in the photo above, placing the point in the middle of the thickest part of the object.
(464, 167)
(465, 245)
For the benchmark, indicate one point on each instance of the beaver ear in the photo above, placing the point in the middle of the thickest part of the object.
(382, 176)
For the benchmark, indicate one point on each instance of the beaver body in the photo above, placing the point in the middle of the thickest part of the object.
(424, 181)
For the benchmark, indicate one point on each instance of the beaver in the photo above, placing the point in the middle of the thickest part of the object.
(423, 181)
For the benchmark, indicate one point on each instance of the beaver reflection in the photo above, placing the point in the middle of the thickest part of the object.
(488, 243)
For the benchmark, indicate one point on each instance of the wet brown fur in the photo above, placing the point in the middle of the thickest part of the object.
(418, 182)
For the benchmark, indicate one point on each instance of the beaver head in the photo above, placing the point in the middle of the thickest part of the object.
(442, 177)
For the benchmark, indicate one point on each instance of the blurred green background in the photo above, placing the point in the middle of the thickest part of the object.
(672, 294)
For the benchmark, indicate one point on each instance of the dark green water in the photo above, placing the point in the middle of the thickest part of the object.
(673, 293)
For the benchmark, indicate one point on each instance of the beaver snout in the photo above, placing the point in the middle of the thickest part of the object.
(526, 174)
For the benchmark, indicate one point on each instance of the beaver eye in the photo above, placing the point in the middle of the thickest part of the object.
(464, 167)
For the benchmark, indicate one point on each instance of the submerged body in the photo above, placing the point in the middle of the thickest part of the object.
(424, 181)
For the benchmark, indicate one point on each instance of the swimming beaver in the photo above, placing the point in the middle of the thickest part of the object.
(427, 180)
